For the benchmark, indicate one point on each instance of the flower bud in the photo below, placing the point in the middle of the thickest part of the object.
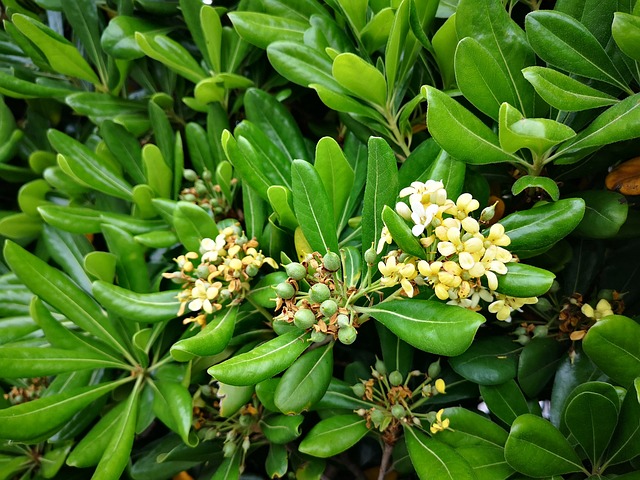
(228, 449)
(361, 412)
(200, 187)
(202, 271)
(328, 308)
(206, 175)
(319, 292)
(285, 290)
(296, 271)
(398, 411)
(245, 420)
(246, 443)
(377, 416)
(541, 331)
(251, 270)
(304, 318)
(523, 339)
(403, 210)
(358, 389)
(370, 256)
(331, 262)
(189, 197)
(380, 367)
(189, 175)
(395, 378)
(347, 335)
(488, 213)
(434, 369)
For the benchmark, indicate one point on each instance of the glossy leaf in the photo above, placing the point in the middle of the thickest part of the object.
(433, 459)
(626, 32)
(537, 449)
(262, 292)
(522, 280)
(336, 174)
(469, 428)
(174, 406)
(305, 381)
(193, 224)
(489, 361)
(211, 340)
(625, 443)
(264, 361)
(401, 233)
(26, 362)
(281, 200)
(281, 429)
(360, 78)
(172, 54)
(505, 400)
(530, 181)
(611, 345)
(261, 29)
(538, 363)
(313, 208)
(334, 435)
(138, 307)
(563, 41)
(538, 228)
(381, 188)
(460, 132)
(488, 463)
(46, 415)
(604, 215)
(211, 28)
(428, 325)
(130, 259)
(444, 43)
(118, 38)
(564, 92)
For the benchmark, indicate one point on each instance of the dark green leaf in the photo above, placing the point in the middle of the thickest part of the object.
(505, 401)
(261, 29)
(538, 363)
(469, 428)
(625, 443)
(522, 280)
(192, 224)
(604, 214)
(544, 183)
(138, 307)
(401, 233)
(489, 361)
(281, 429)
(334, 435)
(211, 340)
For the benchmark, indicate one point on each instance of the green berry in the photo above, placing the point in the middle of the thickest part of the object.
(347, 335)
(228, 449)
(343, 320)
(331, 262)
(206, 175)
(245, 420)
(377, 416)
(319, 293)
(398, 411)
(380, 367)
(251, 270)
(523, 339)
(541, 331)
(434, 369)
(328, 308)
(189, 197)
(395, 378)
(317, 337)
(304, 318)
(358, 389)
(296, 270)
(285, 290)
(189, 175)
(370, 256)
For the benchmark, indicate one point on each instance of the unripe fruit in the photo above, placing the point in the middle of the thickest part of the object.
(317, 337)
(343, 320)
(347, 335)
(523, 339)
(398, 411)
(285, 290)
(251, 270)
(358, 389)
(228, 449)
(319, 293)
(395, 378)
(541, 331)
(370, 256)
(377, 416)
(328, 308)
(189, 175)
(380, 367)
(304, 318)
(434, 369)
(296, 270)
(245, 420)
(331, 262)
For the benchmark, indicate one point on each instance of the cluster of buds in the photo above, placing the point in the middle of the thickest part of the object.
(395, 399)
(219, 274)
(323, 308)
(205, 193)
(461, 262)
(32, 390)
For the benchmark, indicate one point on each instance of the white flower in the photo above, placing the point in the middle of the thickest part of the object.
(422, 217)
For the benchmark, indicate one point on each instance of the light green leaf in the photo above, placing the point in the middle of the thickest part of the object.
(360, 78)
(209, 341)
(530, 181)
(336, 174)
(172, 54)
(261, 29)
(193, 224)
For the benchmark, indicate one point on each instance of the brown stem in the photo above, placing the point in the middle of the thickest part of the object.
(386, 458)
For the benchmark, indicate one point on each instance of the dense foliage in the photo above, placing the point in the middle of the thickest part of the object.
(305, 239)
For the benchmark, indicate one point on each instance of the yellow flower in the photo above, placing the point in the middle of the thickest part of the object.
(385, 237)
(202, 295)
(440, 386)
(504, 305)
(439, 425)
(603, 309)
(463, 206)
(497, 236)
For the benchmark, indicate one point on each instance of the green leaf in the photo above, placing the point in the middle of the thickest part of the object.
(138, 307)
(211, 340)
(360, 78)
(433, 459)
(264, 361)
(313, 208)
(591, 417)
(489, 361)
(83, 19)
(130, 259)
(118, 451)
(305, 381)
(261, 29)
(535, 448)
(88, 167)
(625, 443)
(505, 400)
(488, 463)
(564, 92)
(336, 174)
(59, 52)
(401, 233)
(157, 172)
(522, 280)
(334, 435)
(376, 32)
(172, 54)
(212, 31)
(163, 135)
(445, 42)
(192, 224)
(626, 33)
(281, 200)
(429, 325)
(381, 188)
(460, 132)
(611, 344)
(57, 290)
(119, 40)
(604, 214)
(538, 363)
(27, 362)
(530, 181)
(449, 171)
(491, 26)
(469, 428)
(345, 103)
(564, 42)
(480, 78)
(277, 462)
(536, 134)
(17, 88)
(173, 404)
(68, 251)
(281, 429)
(45, 416)
(534, 230)
(125, 147)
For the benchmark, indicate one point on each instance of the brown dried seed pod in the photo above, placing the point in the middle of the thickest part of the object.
(625, 178)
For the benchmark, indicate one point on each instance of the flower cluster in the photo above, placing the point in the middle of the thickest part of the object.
(460, 262)
(219, 274)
